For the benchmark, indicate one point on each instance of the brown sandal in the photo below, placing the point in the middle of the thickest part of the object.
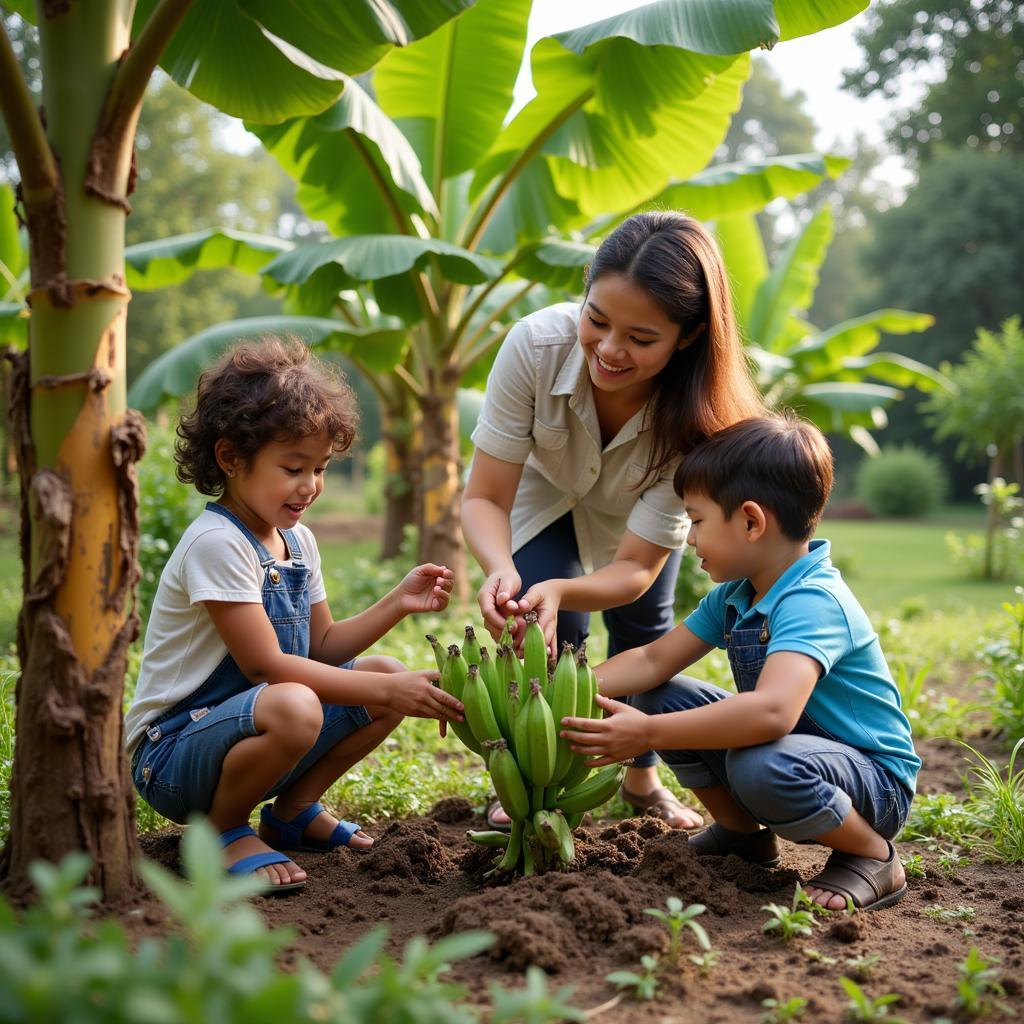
(659, 803)
(869, 884)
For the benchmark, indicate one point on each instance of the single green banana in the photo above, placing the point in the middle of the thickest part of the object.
(535, 651)
(535, 737)
(491, 838)
(508, 782)
(566, 845)
(513, 705)
(453, 681)
(578, 769)
(563, 705)
(471, 647)
(495, 690)
(440, 656)
(506, 633)
(477, 704)
(595, 791)
(545, 830)
(513, 851)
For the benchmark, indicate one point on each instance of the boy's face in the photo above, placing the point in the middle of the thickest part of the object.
(721, 544)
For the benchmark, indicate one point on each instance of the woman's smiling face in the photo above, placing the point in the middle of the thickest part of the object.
(626, 337)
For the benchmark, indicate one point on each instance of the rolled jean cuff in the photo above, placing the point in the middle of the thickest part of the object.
(694, 775)
(822, 820)
(648, 760)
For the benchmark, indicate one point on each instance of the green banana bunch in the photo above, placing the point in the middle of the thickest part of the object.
(508, 781)
(601, 786)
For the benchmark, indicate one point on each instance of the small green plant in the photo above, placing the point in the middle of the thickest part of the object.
(820, 958)
(676, 918)
(960, 913)
(802, 901)
(913, 865)
(1004, 668)
(940, 816)
(533, 1004)
(999, 805)
(862, 966)
(707, 961)
(789, 922)
(644, 984)
(951, 861)
(978, 990)
(862, 1007)
(778, 1011)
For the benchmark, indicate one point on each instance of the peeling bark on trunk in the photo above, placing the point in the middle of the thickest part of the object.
(440, 531)
(400, 481)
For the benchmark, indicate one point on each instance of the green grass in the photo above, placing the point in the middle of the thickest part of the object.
(889, 562)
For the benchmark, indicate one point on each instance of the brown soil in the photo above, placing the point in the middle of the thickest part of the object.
(424, 877)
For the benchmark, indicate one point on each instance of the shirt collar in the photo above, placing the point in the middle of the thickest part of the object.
(573, 375)
(741, 595)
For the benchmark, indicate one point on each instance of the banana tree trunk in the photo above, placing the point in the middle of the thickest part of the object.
(77, 446)
(400, 476)
(440, 533)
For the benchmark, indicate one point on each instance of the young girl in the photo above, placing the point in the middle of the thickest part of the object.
(569, 506)
(239, 699)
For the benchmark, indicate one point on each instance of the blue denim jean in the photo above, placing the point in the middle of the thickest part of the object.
(800, 786)
(554, 554)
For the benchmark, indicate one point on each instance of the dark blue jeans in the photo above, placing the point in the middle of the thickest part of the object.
(554, 554)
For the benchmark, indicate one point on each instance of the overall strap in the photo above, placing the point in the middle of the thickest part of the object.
(265, 557)
(294, 550)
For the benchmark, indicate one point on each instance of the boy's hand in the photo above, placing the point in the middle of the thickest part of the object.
(620, 736)
(496, 599)
(417, 695)
(427, 588)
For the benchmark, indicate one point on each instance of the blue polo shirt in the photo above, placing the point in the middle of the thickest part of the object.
(811, 610)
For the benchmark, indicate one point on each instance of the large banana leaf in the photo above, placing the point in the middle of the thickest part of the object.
(356, 171)
(554, 262)
(742, 248)
(790, 285)
(174, 373)
(267, 60)
(383, 259)
(426, 86)
(169, 261)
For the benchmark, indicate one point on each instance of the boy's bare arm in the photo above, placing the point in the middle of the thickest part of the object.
(761, 716)
(252, 642)
(643, 668)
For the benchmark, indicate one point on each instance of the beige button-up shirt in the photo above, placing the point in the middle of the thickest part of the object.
(539, 412)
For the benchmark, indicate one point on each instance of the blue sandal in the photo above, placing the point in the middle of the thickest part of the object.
(289, 833)
(251, 864)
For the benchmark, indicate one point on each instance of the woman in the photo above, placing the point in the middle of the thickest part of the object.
(569, 506)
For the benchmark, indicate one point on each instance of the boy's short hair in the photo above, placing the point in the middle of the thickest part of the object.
(256, 393)
(781, 462)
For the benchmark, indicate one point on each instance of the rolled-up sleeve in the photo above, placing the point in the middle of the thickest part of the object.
(504, 428)
(658, 515)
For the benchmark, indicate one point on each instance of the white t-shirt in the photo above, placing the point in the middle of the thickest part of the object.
(213, 561)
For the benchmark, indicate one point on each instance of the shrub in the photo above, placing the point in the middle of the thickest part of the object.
(901, 482)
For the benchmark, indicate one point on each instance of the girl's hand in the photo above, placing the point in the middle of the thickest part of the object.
(417, 695)
(544, 599)
(618, 737)
(427, 588)
(495, 598)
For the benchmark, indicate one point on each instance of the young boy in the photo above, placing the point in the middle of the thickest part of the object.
(814, 746)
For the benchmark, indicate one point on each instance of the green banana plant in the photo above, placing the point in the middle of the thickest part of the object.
(834, 377)
(77, 442)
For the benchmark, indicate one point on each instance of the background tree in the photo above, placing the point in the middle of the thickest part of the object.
(977, 101)
(77, 443)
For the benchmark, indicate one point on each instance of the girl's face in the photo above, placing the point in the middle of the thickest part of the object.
(278, 486)
(626, 337)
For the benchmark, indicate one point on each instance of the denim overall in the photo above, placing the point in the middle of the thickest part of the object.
(801, 785)
(286, 602)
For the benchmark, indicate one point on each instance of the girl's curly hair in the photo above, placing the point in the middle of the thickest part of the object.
(260, 392)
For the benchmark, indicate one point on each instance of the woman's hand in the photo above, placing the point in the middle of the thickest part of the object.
(623, 734)
(545, 599)
(496, 599)
(417, 695)
(427, 588)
